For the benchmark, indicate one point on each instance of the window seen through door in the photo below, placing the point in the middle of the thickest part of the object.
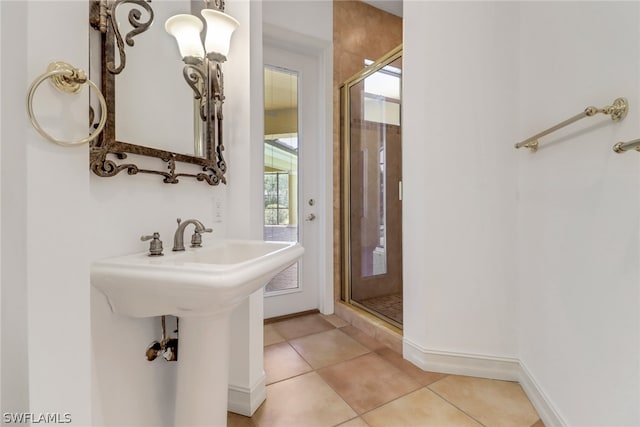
(281, 166)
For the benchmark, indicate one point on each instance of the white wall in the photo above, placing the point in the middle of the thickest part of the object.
(244, 118)
(14, 370)
(244, 121)
(44, 283)
(56, 225)
(460, 88)
(310, 18)
(579, 211)
(0, 219)
(525, 259)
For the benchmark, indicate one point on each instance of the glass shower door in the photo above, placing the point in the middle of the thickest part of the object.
(372, 195)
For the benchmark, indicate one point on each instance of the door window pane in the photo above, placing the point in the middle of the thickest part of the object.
(281, 166)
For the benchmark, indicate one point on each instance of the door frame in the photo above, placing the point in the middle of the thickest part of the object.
(346, 178)
(322, 52)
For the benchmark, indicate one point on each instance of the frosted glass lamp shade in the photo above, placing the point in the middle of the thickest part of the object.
(220, 27)
(186, 29)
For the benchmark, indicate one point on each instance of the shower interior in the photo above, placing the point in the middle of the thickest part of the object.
(370, 119)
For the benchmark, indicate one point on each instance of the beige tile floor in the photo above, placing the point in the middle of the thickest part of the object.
(323, 372)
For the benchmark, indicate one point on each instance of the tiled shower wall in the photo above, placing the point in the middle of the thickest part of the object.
(360, 32)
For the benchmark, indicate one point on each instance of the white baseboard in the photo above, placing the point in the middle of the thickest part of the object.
(539, 399)
(245, 401)
(474, 365)
(484, 366)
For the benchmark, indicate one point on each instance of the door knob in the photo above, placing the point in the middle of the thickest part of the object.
(310, 217)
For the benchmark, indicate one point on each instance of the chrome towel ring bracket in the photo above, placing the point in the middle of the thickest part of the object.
(67, 79)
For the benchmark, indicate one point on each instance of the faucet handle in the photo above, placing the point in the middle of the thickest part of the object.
(196, 237)
(155, 247)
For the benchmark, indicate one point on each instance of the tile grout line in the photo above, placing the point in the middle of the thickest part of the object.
(454, 405)
(305, 335)
(381, 405)
(322, 367)
(370, 351)
(315, 370)
(325, 382)
(349, 420)
(392, 400)
(358, 415)
(341, 398)
(402, 395)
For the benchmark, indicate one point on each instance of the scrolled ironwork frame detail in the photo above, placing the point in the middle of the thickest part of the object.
(106, 19)
(107, 153)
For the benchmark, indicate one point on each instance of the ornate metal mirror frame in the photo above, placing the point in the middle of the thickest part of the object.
(107, 154)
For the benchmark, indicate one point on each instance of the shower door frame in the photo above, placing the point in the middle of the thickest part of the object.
(345, 133)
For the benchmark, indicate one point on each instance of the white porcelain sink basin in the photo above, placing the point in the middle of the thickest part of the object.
(196, 282)
(201, 286)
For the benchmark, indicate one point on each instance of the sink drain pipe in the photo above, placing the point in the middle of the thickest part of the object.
(167, 347)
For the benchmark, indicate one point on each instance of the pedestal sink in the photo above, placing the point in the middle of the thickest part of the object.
(201, 286)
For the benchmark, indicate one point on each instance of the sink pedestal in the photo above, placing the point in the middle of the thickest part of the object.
(200, 286)
(203, 369)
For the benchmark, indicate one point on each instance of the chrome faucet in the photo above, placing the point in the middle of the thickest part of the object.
(196, 239)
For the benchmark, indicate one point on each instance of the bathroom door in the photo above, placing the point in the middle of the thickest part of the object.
(291, 175)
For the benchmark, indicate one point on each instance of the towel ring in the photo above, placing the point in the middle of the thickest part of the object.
(68, 79)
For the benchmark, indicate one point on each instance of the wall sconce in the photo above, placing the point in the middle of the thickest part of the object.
(202, 69)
